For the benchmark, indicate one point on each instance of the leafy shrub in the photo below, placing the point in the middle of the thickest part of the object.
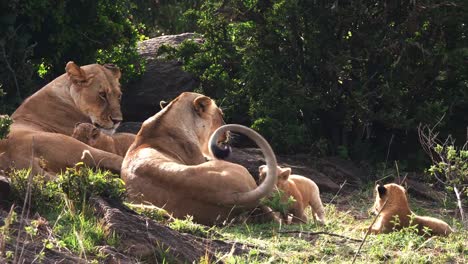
(75, 184)
(277, 202)
(65, 201)
(334, 72)
(5, 123)
(40, 36)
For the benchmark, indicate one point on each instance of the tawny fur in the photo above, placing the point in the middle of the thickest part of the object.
(304, 191)
(90, 94)
(89, 134)
(397, 206)
(166, 164)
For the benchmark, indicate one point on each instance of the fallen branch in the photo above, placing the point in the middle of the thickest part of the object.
(143, 238)
(318, 233)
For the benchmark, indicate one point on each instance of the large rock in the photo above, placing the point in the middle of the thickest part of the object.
(163, 80)
(252, 158)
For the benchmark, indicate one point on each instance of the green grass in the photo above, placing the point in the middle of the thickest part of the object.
(63, 202)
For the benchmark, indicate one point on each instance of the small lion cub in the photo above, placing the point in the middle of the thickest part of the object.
(304, 191)
(394, 196)
(91, 135)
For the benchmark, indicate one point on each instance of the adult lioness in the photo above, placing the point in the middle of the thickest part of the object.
(43, 123)
(118, 143)
(166, 163)
(391, 199)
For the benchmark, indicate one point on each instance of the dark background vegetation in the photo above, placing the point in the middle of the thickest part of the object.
(347, 78)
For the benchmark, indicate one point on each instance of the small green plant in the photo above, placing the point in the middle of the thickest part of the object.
(449, 163)
(277, 202)
(64, 200)
(5, 123)
(188, 226)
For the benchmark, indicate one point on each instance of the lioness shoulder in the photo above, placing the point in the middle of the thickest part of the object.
(392, 201)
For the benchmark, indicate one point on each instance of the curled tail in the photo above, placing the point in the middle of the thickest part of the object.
(266, 187)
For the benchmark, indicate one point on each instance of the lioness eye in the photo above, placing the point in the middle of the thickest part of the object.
(103, 95)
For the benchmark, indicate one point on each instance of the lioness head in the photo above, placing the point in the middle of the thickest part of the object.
(200, 113)
(392, 194)
(95, 90)
(86, 133)
(283, 175)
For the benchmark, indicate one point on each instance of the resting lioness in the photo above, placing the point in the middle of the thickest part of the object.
(89, 134)
(166, 163)
(304, 191)
(43, 123)
(396, 205)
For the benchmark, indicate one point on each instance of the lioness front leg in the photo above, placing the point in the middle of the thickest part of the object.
(59, 152)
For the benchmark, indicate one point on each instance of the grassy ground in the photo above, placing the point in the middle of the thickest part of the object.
(348, 217)
(74, 227)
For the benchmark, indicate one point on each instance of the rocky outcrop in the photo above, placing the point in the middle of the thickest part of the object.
(162, 80)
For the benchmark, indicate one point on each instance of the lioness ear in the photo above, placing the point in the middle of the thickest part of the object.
(262, 169)
(75, 73)
(381, 190)
(284, 173)
(114, 69)
(201, 104)
(163, 104)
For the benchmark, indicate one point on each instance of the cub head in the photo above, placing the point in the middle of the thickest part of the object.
(282, 173)
(95, 90)
(86, 133)
(392, 194)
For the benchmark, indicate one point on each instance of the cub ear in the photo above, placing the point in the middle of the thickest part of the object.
(284, 173)
(381, 190)
(262, 169)
(114, 69)
(75, 73)
(95, 133)
(163, 104)
(77, 124)
(201, 104)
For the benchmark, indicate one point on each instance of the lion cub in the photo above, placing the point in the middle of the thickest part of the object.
(397, 205)
(91, 135)
(304, 191)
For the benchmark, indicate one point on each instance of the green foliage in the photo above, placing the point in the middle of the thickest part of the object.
(5, 123)
(188, 226)
(75, 184)
(40, 36)
(452, 167)
(334, 71)
(64, 200)
(278, 203)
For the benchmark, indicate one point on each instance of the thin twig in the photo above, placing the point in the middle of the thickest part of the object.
(317, 233)
(368, 231)
(23, 210)
(336, 195)
(459, 204)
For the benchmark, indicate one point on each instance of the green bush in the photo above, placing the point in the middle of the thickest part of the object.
(64, 201)
(40, 36)
(335, 71)
(5, 123)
